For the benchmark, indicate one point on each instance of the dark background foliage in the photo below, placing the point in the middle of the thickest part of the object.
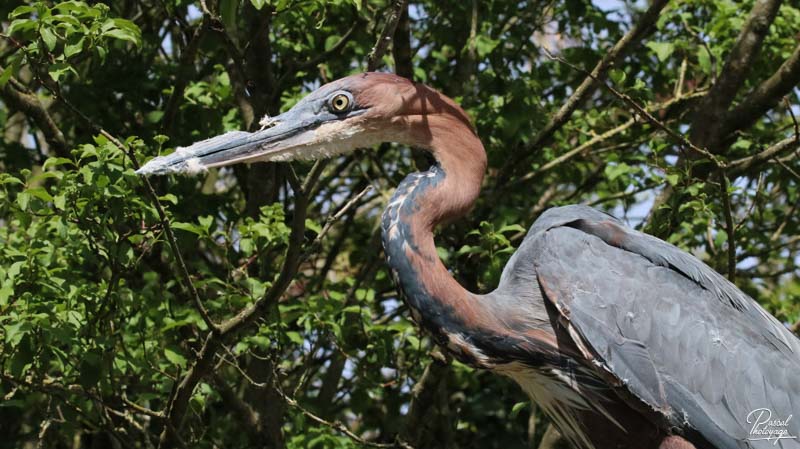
(250, 307)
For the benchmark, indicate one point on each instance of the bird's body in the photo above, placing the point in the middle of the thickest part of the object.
(624, 340)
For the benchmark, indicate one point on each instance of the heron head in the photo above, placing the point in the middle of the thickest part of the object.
(353, 112)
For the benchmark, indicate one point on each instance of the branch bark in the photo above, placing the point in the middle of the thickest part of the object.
(707, 124)
(185, 70)
(423, 402)
(29, 104)
(765, 96)
(741, 166)
(380, 47)
(587, 87)
(403, 54)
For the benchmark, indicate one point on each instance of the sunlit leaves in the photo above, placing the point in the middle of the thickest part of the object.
(66, 30)
(662, 49)
(90, 291)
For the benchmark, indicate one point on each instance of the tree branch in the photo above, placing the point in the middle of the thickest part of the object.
(382, 44)
(185, 70)
(29, 104)
(294, 256)
(707, 124)
(423, 396)
(401, 48)
(766, 95)
(742, 165)
(724, 186)
(585, 89)
(584, 147)
(644, 114)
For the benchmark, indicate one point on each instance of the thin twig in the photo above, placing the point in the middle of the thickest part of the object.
(712, 59)
(644, 114)
(333, 219)
(787, 168)
(156, 203)
(338, 426)
(729, 226)
(382, 44)
(585, 89)
(759, 185)
(741, 165)
(794, 119)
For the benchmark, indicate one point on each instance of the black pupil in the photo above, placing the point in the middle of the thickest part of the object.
(340, 102)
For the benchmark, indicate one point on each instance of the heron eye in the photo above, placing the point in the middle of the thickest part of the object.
(340, 103)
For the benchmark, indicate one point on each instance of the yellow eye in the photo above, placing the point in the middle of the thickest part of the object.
(340, 103)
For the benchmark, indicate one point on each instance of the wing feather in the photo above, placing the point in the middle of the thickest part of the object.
(678, 335)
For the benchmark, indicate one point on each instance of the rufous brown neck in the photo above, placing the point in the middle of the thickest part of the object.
(423, 200)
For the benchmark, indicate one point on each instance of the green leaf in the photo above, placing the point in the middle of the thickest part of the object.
(615, 171)
(21, 10)
(663, 50)
(511, 228)
(168, 198)
(175, 357)
(15, 331)
(518, 407)
(6, 75)
(313, 226)
(60, 202)
(41, 193)
(23, 199)
(73, 48)
(188, 227)
(617, 76)
(704, 60)
(206, 223)
(721, 238)
(258, 4)
(673, 179)
(59, 69)
(122, 35)
(55, 162)
(295, 337)
(485, 45)
(20, 26)
(5, 292)
(48, 37)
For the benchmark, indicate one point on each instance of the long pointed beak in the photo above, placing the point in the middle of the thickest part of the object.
(275, 143)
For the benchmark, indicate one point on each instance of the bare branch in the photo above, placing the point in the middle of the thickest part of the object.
(29, 104)
(185, 70)
(599, 138)
(338, 426)
(742, 165)
(766, 95)
(382, 44)
(173, 243)
(422, 396)
(724, 186)
(585, 89)
(333, 219)
(707, 125)
(401, 47)
(681, 140)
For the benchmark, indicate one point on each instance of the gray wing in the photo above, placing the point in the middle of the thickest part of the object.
(678, 335)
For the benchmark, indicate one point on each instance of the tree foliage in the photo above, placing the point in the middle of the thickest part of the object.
(250, 307)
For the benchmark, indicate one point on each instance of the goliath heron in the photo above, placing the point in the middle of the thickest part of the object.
(624, 340)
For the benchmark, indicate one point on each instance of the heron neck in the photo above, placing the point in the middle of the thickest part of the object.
(423, 200)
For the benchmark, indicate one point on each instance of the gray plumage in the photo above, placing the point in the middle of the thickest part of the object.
(673, 332)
